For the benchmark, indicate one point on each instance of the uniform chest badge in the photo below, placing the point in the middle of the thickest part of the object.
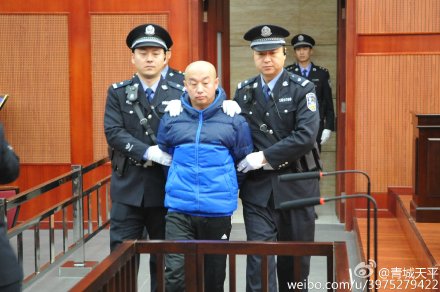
(311, 101)
(285, 99)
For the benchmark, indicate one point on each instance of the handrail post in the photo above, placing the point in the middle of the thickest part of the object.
(79, 267)
(3, 211)
(78, 215)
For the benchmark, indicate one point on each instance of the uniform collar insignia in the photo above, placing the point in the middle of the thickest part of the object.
(285, 83)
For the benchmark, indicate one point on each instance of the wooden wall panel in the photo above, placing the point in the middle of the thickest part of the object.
(57, 58)
(112, 62)
(406, 44)
(398, 16)
(35, 73)
(389, 89)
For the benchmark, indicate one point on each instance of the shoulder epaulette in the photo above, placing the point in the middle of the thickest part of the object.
(322, 68)
(291, 67)
(246, 82)
(122, 83)
(298, 79)
(175, 85)
(179, 72)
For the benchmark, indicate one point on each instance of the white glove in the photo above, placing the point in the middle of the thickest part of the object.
(252, 161)
(326, 133)
(231, 108)
(155, 154)
(174, 107)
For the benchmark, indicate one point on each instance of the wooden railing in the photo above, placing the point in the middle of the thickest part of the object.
(118, 272)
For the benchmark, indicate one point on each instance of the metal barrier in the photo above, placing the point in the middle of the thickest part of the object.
(76, 202)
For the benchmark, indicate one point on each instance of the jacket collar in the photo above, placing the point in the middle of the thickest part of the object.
(212, 109)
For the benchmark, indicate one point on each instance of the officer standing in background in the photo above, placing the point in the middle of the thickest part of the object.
(169, 73)
(138, 179)
(11, 273)
(281, 109)
(303, 50)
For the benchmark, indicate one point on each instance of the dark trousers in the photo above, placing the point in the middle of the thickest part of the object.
(129, 222)
(269, 224)
(318, 137)
(186, 227)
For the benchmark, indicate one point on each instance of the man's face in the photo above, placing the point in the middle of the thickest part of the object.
(149, 61)
(303, 54)
(270, 63)
(201, 83)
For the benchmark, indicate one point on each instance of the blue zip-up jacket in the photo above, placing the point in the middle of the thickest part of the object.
(206, 145)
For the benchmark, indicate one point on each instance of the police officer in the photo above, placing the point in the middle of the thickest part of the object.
(171, 74)
(303, 50)
(281, 109)
(11, 273)
(132, 115)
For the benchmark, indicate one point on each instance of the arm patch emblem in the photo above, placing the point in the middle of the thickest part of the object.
(311, 101)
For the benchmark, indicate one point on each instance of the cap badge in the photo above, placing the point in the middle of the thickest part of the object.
(149, 30)
(265, 31)
(300, 37)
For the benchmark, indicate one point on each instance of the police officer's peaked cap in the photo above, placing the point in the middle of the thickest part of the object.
(149, 35)
(266, 37)
(302, 40)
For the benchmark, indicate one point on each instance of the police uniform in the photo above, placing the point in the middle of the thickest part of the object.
(11, 273)
(285, 129)
(321, 78)
(137, 187)
(174, 76)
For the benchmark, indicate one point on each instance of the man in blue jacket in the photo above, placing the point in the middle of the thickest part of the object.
(201, 190)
